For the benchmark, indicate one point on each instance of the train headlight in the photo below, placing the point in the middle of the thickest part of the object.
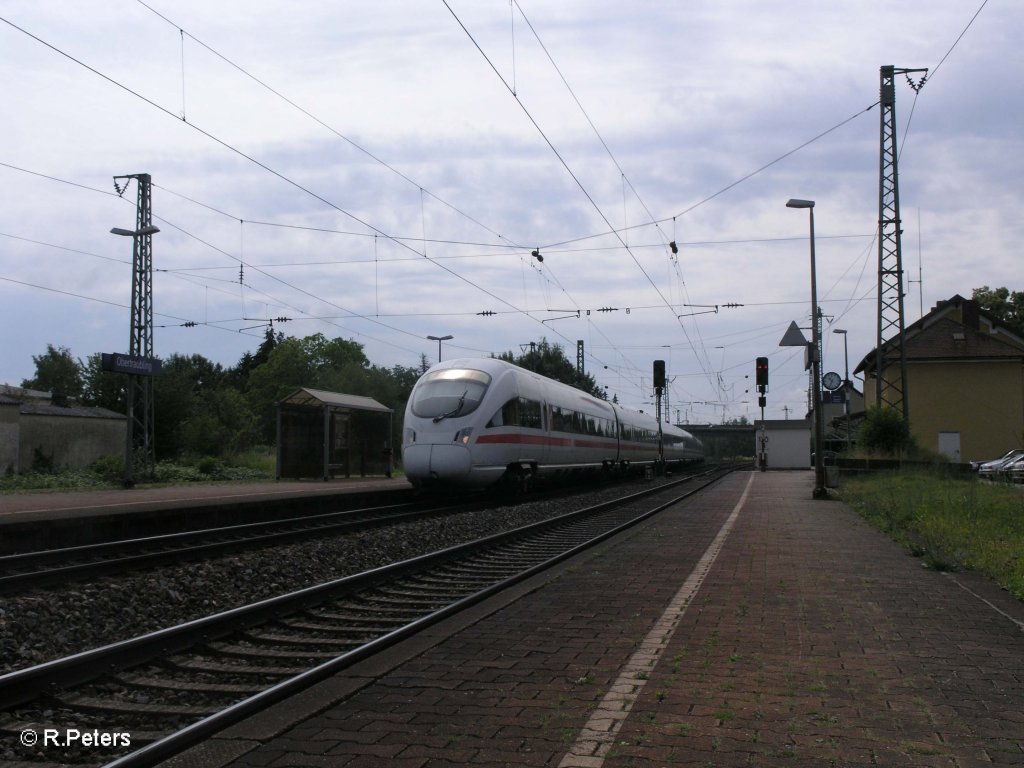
(410, 435)
(463, 435)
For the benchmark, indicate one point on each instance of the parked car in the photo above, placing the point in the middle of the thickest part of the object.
(1014, 471)
(992, 469)
(977, 465)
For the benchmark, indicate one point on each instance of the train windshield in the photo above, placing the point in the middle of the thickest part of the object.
(449, 393)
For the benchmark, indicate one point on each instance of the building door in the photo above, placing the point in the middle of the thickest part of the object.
(949, 444)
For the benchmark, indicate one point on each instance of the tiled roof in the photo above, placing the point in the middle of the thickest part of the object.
(940, 335)
(947, 339)
(77, 411)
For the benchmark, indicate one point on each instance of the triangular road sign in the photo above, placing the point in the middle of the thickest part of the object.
(794, 337)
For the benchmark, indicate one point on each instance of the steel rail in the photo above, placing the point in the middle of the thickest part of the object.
(174, 547)
(193, 734)
(21, 686)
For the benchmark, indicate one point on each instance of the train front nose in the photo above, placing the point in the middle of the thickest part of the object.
(436, 461)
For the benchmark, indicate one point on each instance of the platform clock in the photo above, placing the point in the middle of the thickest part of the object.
(832, 381)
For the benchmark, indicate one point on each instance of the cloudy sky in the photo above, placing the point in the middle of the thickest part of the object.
(383, 171)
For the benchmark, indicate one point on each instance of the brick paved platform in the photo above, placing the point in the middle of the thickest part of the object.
(751, 626)
(40, 505)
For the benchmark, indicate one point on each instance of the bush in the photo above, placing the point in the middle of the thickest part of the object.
(35, 481)
(210, 466)
(885, 431)
(42, 463)
(261, 460)
(108, 468)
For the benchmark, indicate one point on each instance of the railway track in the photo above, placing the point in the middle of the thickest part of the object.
(58, 566)
(173, 688)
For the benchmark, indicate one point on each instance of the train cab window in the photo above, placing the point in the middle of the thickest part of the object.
(449, 393)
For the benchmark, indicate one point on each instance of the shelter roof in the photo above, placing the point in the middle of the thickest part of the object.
(318, 397)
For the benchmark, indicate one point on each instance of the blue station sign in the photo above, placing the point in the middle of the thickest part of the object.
(132, 364)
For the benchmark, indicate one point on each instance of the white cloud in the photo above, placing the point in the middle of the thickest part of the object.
(689, 100)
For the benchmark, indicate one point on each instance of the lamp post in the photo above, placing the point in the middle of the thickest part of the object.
(139, 317)
(846, 384)
(819, 429)
(150, 230)
(439, 339)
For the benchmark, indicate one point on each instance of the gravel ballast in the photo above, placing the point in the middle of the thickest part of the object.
(50, 623)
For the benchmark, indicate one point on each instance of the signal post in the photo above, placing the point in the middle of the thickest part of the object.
(761, 379)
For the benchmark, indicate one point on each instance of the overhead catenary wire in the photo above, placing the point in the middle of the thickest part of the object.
(283, 178)
(561, 159)
(229, 146)
(376, 236)
(303, 110)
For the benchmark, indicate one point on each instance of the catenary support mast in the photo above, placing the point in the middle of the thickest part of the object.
(891, 360)
(140, 344)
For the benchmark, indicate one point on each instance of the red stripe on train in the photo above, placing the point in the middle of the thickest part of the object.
(565, 442)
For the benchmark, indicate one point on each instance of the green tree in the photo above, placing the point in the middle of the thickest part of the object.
(239, 375)
(103, 389)
(219, 423)
(1005, 305)
(197, 412)
(314, 361)
(56, 371)
(549, 360)
(886, 431)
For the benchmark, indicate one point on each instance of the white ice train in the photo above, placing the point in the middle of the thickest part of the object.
(476, 422)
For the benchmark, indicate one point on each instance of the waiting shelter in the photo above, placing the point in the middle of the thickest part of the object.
(326, 434)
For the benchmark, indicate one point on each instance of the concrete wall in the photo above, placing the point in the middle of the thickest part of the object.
(9, 419)
(983, 401)
(69, 442)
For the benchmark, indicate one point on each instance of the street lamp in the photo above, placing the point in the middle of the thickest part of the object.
(819, 429)
(846, 383)
(152, 229)
(846, 354)
(439, 339)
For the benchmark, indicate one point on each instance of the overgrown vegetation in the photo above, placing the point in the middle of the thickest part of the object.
(952, 523)
(108, 472)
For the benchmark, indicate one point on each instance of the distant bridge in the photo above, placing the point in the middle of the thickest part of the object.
(723, 440)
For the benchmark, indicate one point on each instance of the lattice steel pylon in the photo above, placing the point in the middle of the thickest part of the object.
(141, 418)
(890, 354)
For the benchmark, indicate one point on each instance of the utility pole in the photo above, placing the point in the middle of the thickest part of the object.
(891, 389)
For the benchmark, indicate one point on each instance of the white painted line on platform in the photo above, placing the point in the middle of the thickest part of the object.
(596, 739)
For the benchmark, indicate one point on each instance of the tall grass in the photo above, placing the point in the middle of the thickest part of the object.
(954, 523)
